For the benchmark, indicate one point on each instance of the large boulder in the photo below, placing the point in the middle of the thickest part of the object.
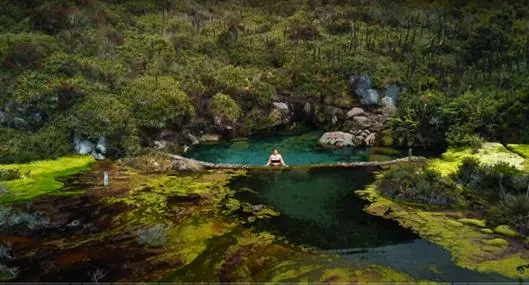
(355, 112)
(361, 86)
(367, 97)
(280, 114)
(101, 145)
(340, 139)
(283, 107)
(360, 82)
(84, 146)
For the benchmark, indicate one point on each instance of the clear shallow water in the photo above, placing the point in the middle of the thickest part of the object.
(318, 208)
(298, 149)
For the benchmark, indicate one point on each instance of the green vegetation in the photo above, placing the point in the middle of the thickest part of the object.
(40, 177)
(127, 70)
(491, 184)
(416, 183)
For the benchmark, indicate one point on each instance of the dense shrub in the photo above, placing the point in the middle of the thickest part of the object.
(158, 102)
(301, 27)
(513, 210)
(51, 19)
(414, 183)
(224, 106)
(492, 181)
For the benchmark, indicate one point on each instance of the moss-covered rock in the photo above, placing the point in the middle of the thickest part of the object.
(496, 242)
(486, 231)
(474, 222)
(506, 231)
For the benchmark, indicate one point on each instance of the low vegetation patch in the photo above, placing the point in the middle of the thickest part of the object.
(9, 174)
(416, 183)
(41, 177)
(153, 236)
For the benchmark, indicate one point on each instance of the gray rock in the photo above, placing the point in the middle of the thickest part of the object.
(337, 139)
(283, 107)
(192, 139)
(97, 155)
(362, 121)
(392, 91)
(367, 96)
(161, 144)
(280, 114)
(209, 138)
(387, 102)
(360, 82)
(84, 146)
(101, 145)
(370, 139)
(355, 112)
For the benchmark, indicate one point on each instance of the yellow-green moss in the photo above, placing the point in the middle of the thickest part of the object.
(464, 242)
(454, 223)
(474, 222)
(496, 242)
(40, 177)
(506, 231)
(523, 150)
(488, 154)
(486, 231)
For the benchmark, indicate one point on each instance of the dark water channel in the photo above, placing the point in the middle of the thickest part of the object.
(319, 209)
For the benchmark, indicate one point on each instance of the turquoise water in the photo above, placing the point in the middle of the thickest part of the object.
(299, 149)
(318, 208)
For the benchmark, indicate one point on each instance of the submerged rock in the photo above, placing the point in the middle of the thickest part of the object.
(337, 139)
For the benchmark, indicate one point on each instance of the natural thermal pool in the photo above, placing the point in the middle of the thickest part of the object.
(296, 149)
(218, 226)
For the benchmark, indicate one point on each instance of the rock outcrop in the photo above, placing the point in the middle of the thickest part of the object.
(340, 139)
(98, 150)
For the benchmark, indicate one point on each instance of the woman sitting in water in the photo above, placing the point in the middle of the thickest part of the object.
(275, 159)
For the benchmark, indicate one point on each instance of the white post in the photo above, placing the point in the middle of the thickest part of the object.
(105, 178)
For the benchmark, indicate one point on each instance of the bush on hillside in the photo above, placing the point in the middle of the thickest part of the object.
(158, 102)
(225, 107)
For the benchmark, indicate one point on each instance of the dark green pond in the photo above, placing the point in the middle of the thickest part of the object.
(319, 209)
(298, 149)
